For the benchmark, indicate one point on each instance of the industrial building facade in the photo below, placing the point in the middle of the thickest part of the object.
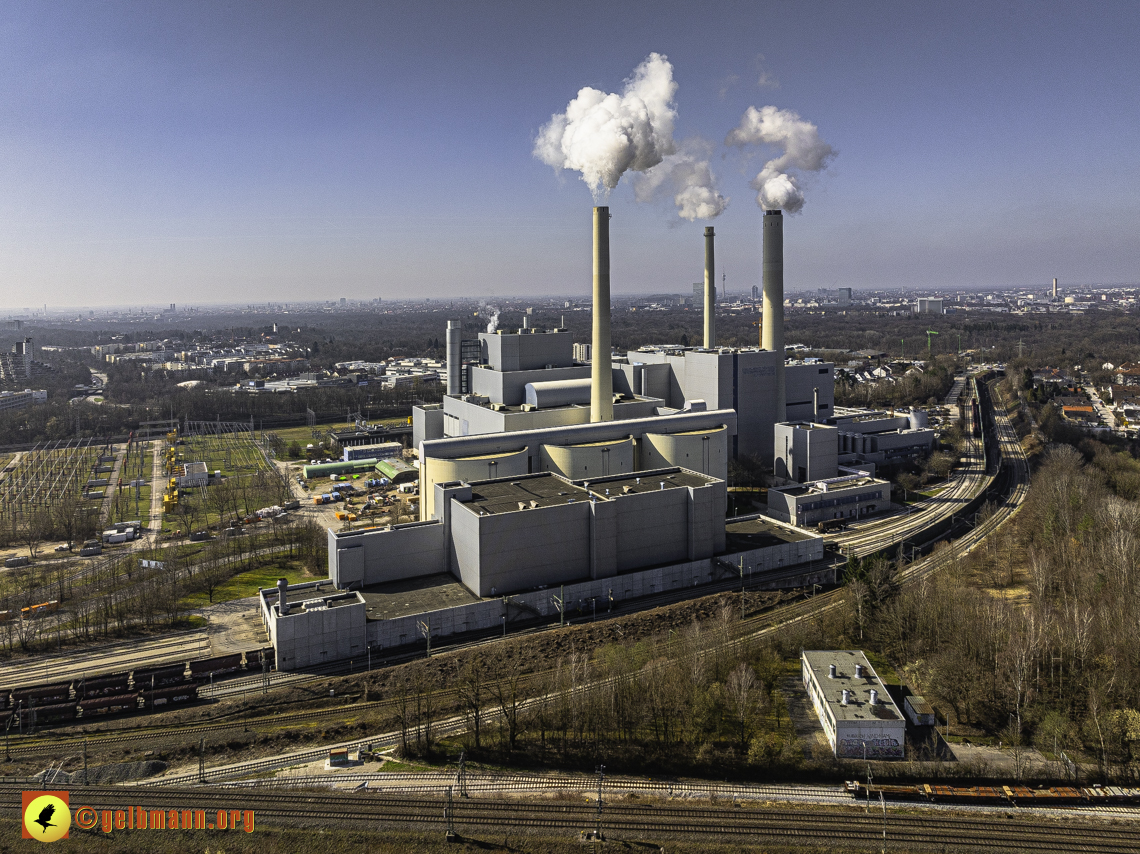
(857, 714)
(510, 534)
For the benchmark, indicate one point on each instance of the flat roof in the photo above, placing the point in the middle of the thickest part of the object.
(414, 596)
(759, 533)
(503, 495)
(859, 700)
(645, 481)
(332, 597)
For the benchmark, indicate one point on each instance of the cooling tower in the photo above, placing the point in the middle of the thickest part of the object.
(454, 345)
(710, 290)
(773, 329)
(601, 376)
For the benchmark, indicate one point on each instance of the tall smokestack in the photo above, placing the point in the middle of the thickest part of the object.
(710, 290)
(454, 346)
(601, 377)
(1054, 287)
(773, 328)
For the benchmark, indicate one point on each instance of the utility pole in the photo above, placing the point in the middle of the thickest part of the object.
(560, 603)
(598, 825)
(202, 760)
(447, 812)
(742, 588)
(425, 630)
(462, 781)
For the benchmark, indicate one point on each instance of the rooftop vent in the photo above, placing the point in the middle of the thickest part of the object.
(874, 696)
(846, 697)
(831, 671)
(858, 671)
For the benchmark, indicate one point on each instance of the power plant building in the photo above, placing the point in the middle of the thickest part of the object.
(550, 463)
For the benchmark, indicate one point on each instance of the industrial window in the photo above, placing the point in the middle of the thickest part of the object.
(824, 370)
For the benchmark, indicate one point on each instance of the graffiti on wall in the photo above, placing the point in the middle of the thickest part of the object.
(878, 747)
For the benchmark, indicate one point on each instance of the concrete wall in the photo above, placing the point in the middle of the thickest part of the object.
(800, 379)
(705, 451)
(304, 638)
(655, 530)
(528, 351)
(510, 388)
(427, 423)
(467, 469)
(806, 452)
(515, 551)
(598, 459)
(635, 585)
(378, 555)
(744, 380)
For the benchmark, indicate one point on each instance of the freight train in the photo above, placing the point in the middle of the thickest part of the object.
(148, 689)
(1023, 796)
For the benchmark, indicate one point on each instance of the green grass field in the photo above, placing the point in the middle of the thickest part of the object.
(304, 435)
(248, 583)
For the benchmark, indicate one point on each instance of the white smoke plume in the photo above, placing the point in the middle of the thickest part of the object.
(803, 150)
(493, 321)
(604, 135)
(690, 178)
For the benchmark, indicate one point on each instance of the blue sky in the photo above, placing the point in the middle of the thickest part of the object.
(155, 152)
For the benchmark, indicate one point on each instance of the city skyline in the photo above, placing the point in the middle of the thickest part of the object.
(215, 153)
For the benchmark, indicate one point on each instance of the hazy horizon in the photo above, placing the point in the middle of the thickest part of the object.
(241, 153)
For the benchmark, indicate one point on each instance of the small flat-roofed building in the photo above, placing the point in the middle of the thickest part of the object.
(849, 497)
(193, 475)
(920, 712)
(857, 714)
(378, 451)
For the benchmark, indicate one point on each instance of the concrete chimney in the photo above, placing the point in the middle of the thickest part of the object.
(454, 345)
(1054, 287)
(601, 376)
(773, 316)
(282, 597)
(710, 290)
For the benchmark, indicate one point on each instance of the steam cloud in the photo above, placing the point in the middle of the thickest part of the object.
(605, 135)
(803, 150)
(493, 321)
(688, 174)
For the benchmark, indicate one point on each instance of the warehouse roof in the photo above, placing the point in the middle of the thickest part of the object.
(831, 688)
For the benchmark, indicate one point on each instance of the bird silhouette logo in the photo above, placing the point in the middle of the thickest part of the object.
(47, 816)
(44, 819)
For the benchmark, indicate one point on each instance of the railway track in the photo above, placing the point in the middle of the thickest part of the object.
(740, 822)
